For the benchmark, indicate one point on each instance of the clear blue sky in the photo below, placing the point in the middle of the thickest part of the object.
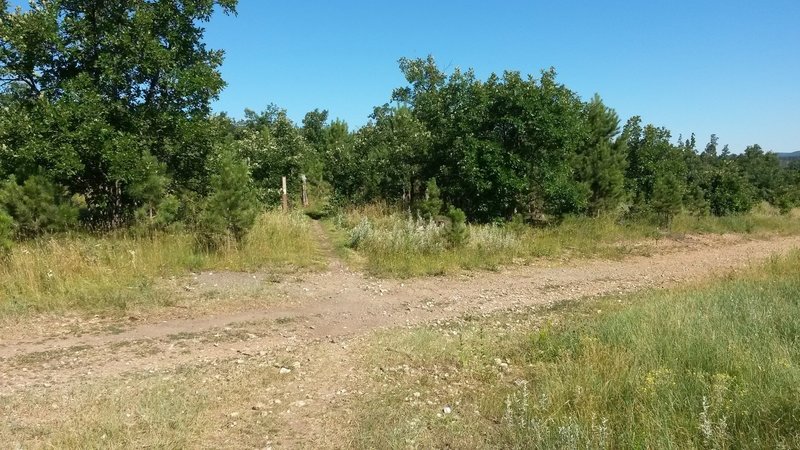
(729, 67)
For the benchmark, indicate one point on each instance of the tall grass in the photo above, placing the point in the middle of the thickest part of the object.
(714, 366)
(763, 219)
(116, 271)
(396, 243)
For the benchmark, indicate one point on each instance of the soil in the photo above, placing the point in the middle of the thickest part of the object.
(314, 319)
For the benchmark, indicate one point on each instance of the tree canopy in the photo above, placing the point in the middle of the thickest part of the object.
(106, 121)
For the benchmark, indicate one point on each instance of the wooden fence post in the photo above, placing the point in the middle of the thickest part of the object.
(285, 195)
(305, 191)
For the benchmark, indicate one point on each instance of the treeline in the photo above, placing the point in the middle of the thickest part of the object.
(106, 123)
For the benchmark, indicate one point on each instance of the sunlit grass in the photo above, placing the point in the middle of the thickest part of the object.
(395, 243)
(115, 272)
(704, 366)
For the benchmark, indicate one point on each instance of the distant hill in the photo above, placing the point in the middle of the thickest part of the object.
(789, 156)
(786, 158)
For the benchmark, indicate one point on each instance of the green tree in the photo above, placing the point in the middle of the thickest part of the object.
(97, 87)
(232, 206)
(457, 232)
(729, 192)
(275, 147)
(431, 205)
(342, 169)
(667, 196)
(601, 161)
(763, 171)
(652, 160)
(501, 146)
(392, 148)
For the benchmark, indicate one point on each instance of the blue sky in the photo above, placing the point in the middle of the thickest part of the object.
(726, 67)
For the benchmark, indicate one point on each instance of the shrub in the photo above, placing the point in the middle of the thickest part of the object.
(457, 233)
(37, 206)
(6, 232)
(432, 205)
(667, 197)
(729, 193)
(165, 216)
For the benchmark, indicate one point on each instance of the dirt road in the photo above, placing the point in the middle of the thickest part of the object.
(339, 303)
(307, 315)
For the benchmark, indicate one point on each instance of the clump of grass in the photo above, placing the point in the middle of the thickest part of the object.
(117, 271)
(402, 245)
(408, 246)
(710, 366)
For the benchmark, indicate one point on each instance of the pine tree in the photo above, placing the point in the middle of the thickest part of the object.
(602, 161)
(232, 207)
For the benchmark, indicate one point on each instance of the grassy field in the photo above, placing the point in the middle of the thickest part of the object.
(391, 243)
(116, 272)
(712, 366)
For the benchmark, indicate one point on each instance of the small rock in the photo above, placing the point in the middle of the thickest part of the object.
(259, 406)
(447, 410)
(284, 370)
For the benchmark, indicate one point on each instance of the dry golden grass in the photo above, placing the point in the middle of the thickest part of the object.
(114, 272)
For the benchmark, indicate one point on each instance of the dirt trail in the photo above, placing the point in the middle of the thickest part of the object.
(339, 303)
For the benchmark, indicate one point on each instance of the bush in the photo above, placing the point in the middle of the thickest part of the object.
(432, 205)
(165, 216)
(6, 232)
(667, 197)
(729, 193)
(37, 206)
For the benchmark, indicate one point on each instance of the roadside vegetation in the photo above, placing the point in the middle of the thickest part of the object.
(705, 366)
(388, 242)
(118, 271)
(709, 365)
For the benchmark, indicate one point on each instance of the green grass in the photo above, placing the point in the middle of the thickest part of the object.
(714, 366)
(390, 243)
(116, 272)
